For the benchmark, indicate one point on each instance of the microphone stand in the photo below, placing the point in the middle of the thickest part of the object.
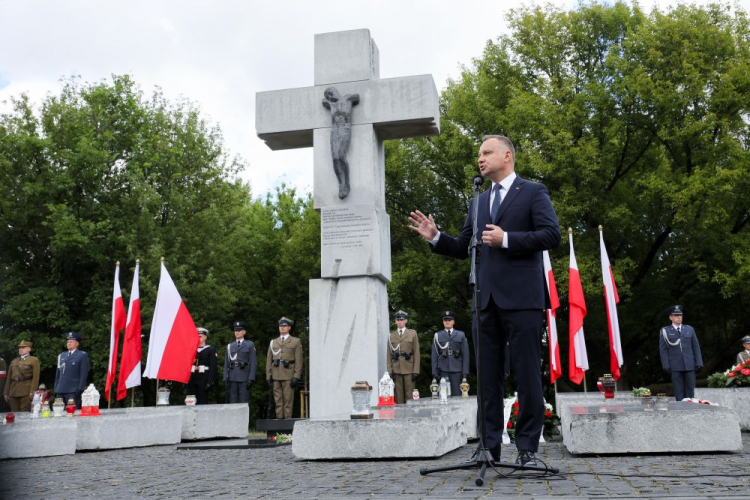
(482, 458)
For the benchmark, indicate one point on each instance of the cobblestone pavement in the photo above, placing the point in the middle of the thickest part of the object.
(165, 472)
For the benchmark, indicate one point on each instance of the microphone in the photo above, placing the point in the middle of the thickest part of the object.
(477, 180)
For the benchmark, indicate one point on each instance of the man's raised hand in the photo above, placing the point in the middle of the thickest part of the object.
(424, 225)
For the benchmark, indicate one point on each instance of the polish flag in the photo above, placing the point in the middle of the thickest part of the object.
(173, 341)
(578, 359)
(130, 363)
(555, 371)
(118, 323)
(612, 299)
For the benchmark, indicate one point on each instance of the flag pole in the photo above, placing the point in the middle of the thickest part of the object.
(132, 397)
(585, 382)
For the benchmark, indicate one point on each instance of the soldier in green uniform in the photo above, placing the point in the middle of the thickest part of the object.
(23, 379)
(403, 358)
(284, 368)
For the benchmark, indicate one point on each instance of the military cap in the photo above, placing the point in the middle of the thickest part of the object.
(449, 315)
(73, 336)
(401, 315)
(746, 339)
(284, 321)
(25, 343)
(675, 310)
(239, 325)
(202, 331)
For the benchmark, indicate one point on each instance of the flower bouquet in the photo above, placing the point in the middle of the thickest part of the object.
(551, 421)
(738, 376)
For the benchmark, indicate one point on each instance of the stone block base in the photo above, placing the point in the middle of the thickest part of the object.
(38, 437)
(736, 398)
(467, 407)
(399, 432)
(129, 428)
(215, 421)
(625, 429)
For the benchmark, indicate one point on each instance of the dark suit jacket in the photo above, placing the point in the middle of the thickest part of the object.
(513, 277)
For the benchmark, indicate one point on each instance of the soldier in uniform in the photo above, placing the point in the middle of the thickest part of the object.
(450, 354)
(72, 371)
(744, 355)
(239, 365)
(284, 368)
(23, 379)
(403, 358)
(203, 371)
(680, 354)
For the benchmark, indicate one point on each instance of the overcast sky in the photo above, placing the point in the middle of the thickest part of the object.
(219, 53)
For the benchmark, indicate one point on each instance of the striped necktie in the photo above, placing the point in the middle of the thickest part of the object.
(496, 202)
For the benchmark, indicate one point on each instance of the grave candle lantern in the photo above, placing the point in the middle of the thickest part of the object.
(361, 393)
(387, 387)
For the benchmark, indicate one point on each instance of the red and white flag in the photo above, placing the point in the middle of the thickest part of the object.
(118, 323)
(555, 367)
(173, 341)
(130, 362)
(579, 361)
(612, 299)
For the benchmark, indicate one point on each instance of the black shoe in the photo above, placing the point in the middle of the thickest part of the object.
(526, 458)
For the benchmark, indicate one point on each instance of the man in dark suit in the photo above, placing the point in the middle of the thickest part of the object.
(680, 354)
(517, 223)
(72, 371)
(450, 354)
(240, 362)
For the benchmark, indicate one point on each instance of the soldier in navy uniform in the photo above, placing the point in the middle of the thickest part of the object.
(203, 371)
(72, 371)
(239, 365)
(450, 354)
(680, 354)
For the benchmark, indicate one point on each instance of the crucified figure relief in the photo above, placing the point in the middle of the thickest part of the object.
(341, 133)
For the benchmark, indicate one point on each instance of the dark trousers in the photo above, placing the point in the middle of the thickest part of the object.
(66, 396)
(683, 384)
(197, 386)
(238, 392)
(521, 330)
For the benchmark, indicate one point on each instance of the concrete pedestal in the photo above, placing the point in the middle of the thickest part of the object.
(399, 432)
(736, 398)
(468, 408)
(38, 437)
(627, 429)
(215, 421)
(121, 428)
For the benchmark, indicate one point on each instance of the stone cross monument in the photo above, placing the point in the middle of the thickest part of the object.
(349, 320)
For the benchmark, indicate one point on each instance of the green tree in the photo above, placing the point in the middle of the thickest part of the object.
(636, 121)
(99, 174)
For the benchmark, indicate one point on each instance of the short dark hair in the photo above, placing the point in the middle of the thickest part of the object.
(504, 141)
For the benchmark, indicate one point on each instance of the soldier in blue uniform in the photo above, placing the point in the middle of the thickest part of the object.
(72, 371)
(680, 354)
(203, 371)
(239, 365)
(450, 354)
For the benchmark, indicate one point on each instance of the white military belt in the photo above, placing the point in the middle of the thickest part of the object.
(199, 368)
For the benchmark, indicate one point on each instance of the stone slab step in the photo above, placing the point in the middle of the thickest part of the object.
(398, 432)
